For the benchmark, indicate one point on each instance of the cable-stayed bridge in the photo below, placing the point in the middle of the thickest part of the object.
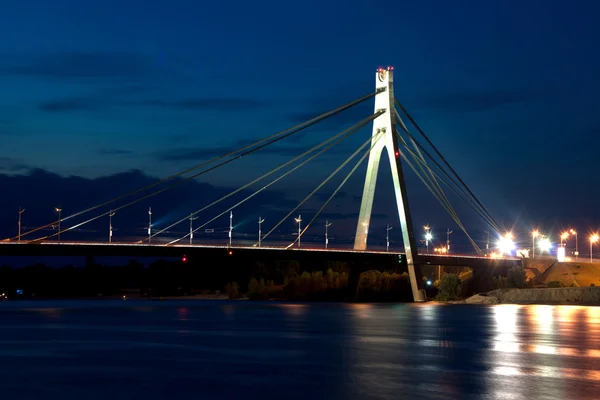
(390, 123)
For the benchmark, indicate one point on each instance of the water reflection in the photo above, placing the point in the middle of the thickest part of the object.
(183, 313)
(299, 351)
(506, 327)
(294, 310)
(542, 317)
(361, 310)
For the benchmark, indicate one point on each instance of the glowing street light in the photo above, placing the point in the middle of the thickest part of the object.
(544, 245)
(534, 234)
(574, 232)
(230, 227)
(58, 210)
(387, 237)
(299, 222)
(505, 244)
(428, 237)
(192, 218)
(111, 214)
(149, 225)
(563, 238)
(21, 211)
(260, 221)
(593, 239)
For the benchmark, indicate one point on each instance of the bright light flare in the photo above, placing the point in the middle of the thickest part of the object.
(505, 244)
(428, 236)
(535, 233)
(545, 245)
(564, 235)
(594, 238)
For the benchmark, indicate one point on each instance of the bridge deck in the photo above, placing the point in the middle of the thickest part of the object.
(160, 250)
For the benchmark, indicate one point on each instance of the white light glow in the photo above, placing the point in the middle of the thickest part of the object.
(560, 254)
(544, 245)
(505, 245)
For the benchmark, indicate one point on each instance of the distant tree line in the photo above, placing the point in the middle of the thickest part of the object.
(260, 279)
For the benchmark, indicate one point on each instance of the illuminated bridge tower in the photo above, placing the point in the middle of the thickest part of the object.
(385, 125)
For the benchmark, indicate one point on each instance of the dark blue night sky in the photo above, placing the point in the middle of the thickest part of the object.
(506, 89)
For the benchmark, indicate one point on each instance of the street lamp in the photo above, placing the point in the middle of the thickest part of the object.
(563, 238)
(506, 244)
(534, 234)
(192, 218)
(58, 210)
(428, 236)
(110, 229)
(544, 245)
(574, 232)
(387, 237)
(299, 221)
(327, 225)
(230, 227)
(593, 239)
(21, 211)
(260, 221)
(149, 225)
(448, 233)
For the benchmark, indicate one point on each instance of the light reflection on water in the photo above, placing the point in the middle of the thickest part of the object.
(139, 349)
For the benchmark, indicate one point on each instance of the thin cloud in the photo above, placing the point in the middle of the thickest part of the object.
(212, 103)
(13, 165)
(202, 153)
(70, 104)
(114, 152)
(81, 65)
(103, 100)
(483, 100)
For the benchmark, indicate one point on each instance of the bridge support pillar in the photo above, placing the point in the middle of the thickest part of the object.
(384, 137)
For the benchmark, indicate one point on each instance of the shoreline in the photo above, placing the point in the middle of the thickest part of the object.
(589, 296)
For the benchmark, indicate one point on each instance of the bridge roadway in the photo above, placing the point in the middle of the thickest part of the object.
(104, 249)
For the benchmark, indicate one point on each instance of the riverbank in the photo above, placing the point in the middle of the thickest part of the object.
(577, 295)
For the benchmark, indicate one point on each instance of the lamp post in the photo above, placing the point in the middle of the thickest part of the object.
(593, 239)
(448, 233)
(563, 238)
(534, 234)
(230, 227)
(260, 221)
(366, 225)
(387, 237)
(192, 218)
(58, 210)
(149, 225)
(299, 221)
(110, 229)
(327, 225)
(574, 232)
(21, 211)
(428, 237)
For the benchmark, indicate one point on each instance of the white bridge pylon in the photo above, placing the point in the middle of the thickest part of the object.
(383, 137)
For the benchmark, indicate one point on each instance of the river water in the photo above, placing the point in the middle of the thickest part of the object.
(251, 350)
